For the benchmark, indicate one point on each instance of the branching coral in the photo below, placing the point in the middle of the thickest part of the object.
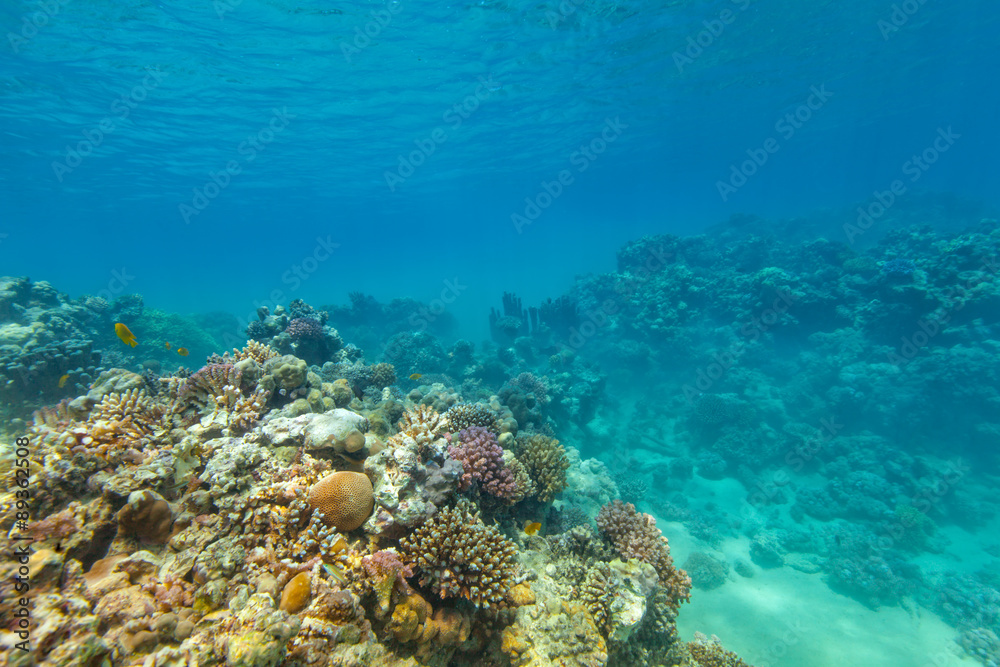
(483, 462)
(125, 421)
(259, 352)
(216, 388)
(467, 415)
(635, 535)
(459, 556)
(422, 425)
(547, 464)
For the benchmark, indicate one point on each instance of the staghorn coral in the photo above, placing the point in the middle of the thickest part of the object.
(483, 462)
(547, 464)
(467, 415)
(459, 556)
(635, 535)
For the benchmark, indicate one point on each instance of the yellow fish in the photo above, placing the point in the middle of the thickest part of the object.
(63, 380)
(416, 376)
(532, 527)
(183, 351)
(168, 345)
(127, 336)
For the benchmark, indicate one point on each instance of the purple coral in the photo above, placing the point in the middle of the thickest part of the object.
(304, 328)
(482, 459)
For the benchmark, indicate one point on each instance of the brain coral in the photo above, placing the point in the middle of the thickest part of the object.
(344, 498)
(546, 462)
(635, 535)
(459, 556)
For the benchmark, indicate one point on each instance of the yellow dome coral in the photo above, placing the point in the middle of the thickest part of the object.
(345, 499)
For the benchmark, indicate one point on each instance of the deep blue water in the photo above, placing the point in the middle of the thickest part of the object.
(551, 82)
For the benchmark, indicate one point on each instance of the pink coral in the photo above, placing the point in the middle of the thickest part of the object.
(635, 535)
(482, 459)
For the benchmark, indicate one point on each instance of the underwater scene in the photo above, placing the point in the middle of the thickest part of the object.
(499, 333)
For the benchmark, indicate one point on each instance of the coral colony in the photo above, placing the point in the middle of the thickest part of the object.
(291, 503)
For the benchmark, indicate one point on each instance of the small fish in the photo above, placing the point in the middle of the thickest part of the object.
(63, 380)
(532, 527)
(183, 351)
(168, 345)
(416, 376)
(127, 336)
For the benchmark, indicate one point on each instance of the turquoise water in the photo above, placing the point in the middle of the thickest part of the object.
(224, 71)
(216, 157)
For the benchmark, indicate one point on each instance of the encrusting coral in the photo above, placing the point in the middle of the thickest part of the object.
(635, 535)
(459, 556)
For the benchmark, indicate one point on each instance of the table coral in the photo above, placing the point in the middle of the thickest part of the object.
(459, 556)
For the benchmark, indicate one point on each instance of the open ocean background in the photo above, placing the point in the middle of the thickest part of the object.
(226, 67)
(218, 156)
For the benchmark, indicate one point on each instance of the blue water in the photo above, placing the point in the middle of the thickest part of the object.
(223, 69)
(221, 156)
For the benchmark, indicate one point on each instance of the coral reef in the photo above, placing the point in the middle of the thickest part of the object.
(345, 499)
(483, 462)
(635, 535)
(546, 462)
(459, 556)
